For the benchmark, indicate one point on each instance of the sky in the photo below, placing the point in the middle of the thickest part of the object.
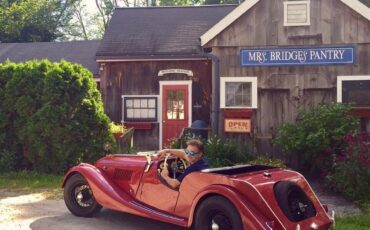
(90, 5)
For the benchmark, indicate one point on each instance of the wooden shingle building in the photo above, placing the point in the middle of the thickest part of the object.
(244, 70)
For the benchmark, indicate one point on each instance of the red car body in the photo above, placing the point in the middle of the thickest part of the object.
(131, 183)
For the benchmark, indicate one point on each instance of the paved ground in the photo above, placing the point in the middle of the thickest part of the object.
(34, 211)
(335, 202)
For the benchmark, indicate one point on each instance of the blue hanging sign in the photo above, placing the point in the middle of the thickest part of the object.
(297, 56)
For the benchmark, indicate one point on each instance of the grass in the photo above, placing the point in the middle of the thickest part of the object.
(29, 180)
(357, 222)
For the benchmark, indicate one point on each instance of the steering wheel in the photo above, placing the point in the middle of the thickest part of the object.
(178, 165)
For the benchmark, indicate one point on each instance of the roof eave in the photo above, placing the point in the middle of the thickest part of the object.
(226, 21)
(359, 7)
(148, 57)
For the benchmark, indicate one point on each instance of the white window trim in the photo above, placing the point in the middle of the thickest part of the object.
(190, 106)
(340, 80)
(253, 80)
(136, 96)
(286, 3)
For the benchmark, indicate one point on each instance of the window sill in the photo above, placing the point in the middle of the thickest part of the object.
(361, 112)
(238, 113)
(140, 125)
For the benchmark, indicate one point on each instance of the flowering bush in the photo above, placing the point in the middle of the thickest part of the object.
(346, 166)
(315, 131)
(116, 128)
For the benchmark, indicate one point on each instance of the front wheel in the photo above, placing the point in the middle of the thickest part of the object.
(217, 213)
(79, 198)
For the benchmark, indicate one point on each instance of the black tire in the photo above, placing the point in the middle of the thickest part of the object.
(293, 201)
(217, 210)
(79, 198)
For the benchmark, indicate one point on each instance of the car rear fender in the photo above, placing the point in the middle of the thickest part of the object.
(250, 215)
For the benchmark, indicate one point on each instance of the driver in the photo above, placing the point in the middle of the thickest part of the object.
(192, 154)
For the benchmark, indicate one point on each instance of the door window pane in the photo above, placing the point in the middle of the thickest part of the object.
(175, 104)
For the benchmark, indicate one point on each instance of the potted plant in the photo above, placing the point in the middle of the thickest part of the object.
(117, 130)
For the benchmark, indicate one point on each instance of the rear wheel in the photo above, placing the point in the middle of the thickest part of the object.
(79, 198)
(217, 213)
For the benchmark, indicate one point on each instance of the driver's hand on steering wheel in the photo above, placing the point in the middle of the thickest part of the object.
(162, 154)
(164, 172)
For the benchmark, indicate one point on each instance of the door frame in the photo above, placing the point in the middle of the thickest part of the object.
(190, 105)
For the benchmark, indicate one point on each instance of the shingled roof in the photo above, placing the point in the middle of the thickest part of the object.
(81, 52)
(159, 31)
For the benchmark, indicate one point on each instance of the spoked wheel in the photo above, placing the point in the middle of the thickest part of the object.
(79, 197)
(217, 213)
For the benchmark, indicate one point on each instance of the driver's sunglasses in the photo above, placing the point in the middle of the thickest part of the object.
(191, 153)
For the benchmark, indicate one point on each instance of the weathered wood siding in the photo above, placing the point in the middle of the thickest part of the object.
(285, 90)
(141, 78)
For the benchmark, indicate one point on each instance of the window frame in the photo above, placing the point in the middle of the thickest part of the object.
(340, 80)
(254, 96)
(141, 120)
(308, 5)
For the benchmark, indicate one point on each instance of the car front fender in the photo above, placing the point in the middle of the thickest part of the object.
(105, 191)
(110, 196)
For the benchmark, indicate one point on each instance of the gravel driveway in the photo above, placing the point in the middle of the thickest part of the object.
(19, 210)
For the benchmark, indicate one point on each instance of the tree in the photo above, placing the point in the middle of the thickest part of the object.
(84, 25)
(55, 121)
(211, 2)
(366, 2)
(34, 20)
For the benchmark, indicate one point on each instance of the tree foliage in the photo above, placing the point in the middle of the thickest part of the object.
(366, 2)
(51, 116)
(34, 20)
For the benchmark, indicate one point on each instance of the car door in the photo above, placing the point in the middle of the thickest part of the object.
(155, 194)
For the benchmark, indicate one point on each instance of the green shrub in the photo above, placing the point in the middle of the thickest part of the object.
(317, 129)
(264, 160)
(226, 153)
(52, 113)
(218, 152)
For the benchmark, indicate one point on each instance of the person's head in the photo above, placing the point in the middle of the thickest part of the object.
(194, 150)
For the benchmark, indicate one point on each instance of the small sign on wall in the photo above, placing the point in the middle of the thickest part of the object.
(237, 125)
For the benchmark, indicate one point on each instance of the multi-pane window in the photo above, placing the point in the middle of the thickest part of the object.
(354, 90)
(175, 104)
(238, 92)
(296, 13)
(140, 108)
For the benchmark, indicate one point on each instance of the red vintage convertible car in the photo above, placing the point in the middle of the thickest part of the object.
(238, 197)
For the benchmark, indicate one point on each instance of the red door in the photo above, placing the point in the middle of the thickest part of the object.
(175, 114)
